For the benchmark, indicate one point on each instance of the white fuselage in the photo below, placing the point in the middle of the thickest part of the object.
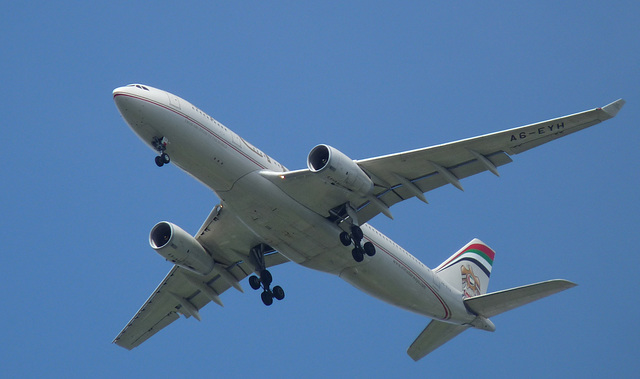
(231, 167)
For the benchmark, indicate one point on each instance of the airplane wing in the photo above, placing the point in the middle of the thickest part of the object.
(401, 176)
(183, 292)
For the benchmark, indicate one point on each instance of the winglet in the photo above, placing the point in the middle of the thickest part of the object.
(613, 108)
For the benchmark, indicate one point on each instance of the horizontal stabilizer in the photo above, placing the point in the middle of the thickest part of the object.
(432, 337)
(495, 303)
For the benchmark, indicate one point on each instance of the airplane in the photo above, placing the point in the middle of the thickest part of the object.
(317, 217)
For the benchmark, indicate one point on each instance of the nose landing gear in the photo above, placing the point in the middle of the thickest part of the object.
(160, 144)
(162, 159)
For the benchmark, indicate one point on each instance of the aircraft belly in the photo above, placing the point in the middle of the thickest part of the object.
(194, 147)
(392, 280)
(298, 233)
(304, 237)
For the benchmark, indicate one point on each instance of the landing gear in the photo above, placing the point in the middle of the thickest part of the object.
(160, 144)
(356, 237)
(267, 298)
(345, 238)
(162, 159)
(357, 254)
(265, 279)
(347, 218)
(278, 293)
(254, 282)
(264, 282)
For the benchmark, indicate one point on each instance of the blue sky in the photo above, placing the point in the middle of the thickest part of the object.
(81, 192)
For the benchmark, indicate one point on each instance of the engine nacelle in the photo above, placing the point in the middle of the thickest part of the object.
(338, 169)
(179, 247)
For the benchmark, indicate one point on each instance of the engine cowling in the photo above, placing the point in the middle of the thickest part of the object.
(180, 248)
(338, 169)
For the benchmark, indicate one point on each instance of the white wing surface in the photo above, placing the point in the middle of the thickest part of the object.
(401, 176)
(183, 292)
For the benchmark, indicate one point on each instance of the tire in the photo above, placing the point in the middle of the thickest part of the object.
(345, 239)
(267, 298)
(254, 282)
(266, 278)
(278, 293)
(165, 158)
(159, 161)
(357, 254)
(369, 249)
(356, 233)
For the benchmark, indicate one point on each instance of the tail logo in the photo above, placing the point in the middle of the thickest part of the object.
(470, 282)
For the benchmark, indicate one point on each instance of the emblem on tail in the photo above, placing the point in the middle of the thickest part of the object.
(470, 282)
(469, 269)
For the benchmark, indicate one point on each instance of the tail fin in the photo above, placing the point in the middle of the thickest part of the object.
(469, 269)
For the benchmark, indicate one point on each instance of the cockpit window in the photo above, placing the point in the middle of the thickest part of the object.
(138, 86)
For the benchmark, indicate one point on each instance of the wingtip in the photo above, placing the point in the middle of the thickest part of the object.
(564, 283)
(613, 108)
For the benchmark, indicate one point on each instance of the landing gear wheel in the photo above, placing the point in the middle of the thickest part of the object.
(369, 249)
(356, 233)
(165, 158)
(345, 238)
(263, 279)
(254, 282)
(357, 254)
(159, 161)
(278, 292)
(266, 278)
(267, 298)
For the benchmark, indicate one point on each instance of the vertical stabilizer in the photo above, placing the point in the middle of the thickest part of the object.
(469, 269)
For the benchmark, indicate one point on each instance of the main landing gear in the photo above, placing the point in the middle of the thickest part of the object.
(359, 250)
(265, 279)
(160, 144)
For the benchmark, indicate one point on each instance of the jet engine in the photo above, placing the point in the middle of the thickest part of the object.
(179, 247)
(338, 169)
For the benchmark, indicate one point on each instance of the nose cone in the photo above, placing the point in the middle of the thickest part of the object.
(122, 96)
(119, 91)
(129, 101)
(133, 103)
(129, 97)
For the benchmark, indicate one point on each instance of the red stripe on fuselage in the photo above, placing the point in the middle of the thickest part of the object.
(447, 311)
(195, 122)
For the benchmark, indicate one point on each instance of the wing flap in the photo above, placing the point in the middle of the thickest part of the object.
(428, 182)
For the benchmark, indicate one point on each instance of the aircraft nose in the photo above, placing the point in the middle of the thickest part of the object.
(133, 89)
(118, 91)
(120, 96)
(125, 98)
(121, 93)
